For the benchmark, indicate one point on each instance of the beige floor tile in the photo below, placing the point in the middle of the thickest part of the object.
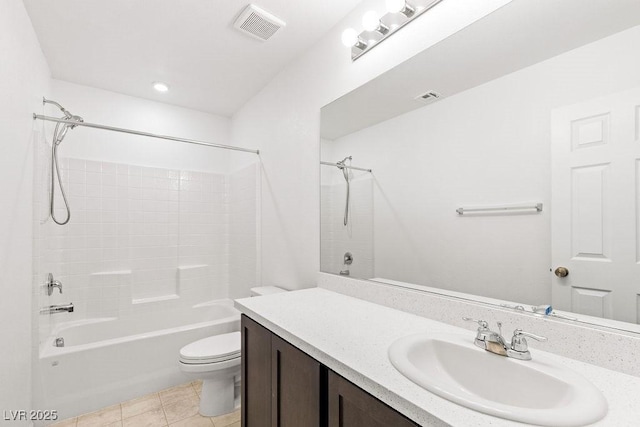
(195, 421)
(186, 408)
(227, 419)
(175, 394)
(116, 424)
(101, 418)
(69, 422)
(141, 405)
(236, 424)
(153, 418)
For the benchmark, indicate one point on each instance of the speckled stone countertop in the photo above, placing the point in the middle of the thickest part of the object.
(351, 337)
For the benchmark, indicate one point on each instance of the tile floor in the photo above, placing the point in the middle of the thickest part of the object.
(175, 407)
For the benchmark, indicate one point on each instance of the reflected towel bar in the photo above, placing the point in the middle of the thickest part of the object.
(537, 207)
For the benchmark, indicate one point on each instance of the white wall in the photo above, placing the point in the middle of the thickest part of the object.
(283, 120)
(24, 78)
(486, 146)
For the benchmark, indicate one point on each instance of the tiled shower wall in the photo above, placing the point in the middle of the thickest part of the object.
(141, 238)
(357, 237)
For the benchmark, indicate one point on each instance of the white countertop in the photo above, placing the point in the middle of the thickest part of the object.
(351, 337)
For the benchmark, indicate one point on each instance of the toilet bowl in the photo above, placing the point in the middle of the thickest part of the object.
(215, 361)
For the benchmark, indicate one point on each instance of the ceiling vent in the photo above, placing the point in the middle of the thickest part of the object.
(258, 23)
(428, 97)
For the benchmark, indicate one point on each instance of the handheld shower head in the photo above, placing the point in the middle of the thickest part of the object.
(75, 119)
(62, 127)
(341, 162)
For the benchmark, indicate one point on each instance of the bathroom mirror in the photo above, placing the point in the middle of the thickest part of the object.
(505, 165)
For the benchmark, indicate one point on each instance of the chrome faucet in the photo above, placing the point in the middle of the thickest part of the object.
(52, 309)
(493, 341)
(52, 284)
(487, 339)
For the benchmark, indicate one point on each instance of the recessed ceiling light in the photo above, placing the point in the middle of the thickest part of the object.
(160, 87)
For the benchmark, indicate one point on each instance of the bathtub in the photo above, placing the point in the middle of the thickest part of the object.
(109, 360)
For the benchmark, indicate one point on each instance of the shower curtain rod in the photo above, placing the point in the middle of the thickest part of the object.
(135, 132)
(345, 166)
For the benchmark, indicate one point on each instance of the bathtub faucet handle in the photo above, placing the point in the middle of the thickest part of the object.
(52, 284)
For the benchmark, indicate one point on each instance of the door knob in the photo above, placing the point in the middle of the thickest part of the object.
(561, 272)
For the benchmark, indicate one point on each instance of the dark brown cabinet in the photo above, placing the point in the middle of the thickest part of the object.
(281, 385)
(284, 387)
(295, 387)
(350, 406)
(256, 374)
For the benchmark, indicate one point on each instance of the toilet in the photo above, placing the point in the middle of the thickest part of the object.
(216, 361)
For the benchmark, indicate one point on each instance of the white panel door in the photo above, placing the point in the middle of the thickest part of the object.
(595, 150)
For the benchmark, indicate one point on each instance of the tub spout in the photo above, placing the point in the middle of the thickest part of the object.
(52, 309)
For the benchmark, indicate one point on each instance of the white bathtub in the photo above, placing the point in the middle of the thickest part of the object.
(110, 360)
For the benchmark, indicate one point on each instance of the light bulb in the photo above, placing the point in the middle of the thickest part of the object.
(160, 87)
(370, 21)
(349, 37)
(395, 6)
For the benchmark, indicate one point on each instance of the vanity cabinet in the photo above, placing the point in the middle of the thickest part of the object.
(284, 387)
(281, 385)
(350, 406)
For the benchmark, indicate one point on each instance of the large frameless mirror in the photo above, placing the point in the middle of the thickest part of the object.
(501, 165)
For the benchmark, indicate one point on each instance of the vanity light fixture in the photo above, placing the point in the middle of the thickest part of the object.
(371, 22)
(400, 6)
(161, 87)
(350, 38)
(376, 29)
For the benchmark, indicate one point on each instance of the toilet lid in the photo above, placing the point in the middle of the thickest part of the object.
(213, 349)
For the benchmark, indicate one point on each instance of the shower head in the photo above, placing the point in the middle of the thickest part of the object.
(67, 114)
(60, 133)
(341, 162)
(75, 119)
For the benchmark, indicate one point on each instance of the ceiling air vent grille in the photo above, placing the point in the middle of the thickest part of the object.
(258, 23)
(428, 97)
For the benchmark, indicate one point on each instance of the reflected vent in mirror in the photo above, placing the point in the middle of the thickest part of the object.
(428, 97)
(258, 23)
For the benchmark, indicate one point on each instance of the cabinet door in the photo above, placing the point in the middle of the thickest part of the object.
(350, 406)
(256, 374)
(296, 387)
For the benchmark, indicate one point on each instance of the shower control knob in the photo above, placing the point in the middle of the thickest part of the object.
(348, 258)
(561, 272)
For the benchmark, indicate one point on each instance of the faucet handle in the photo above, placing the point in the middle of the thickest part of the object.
(519, 343)
(521, 333)
(482, 323)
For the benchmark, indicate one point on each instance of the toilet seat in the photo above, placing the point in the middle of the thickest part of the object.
(215, 349)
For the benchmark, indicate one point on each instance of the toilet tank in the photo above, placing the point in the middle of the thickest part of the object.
(265, 290)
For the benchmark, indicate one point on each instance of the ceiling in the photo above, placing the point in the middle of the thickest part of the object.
(519, 34)
(125, 45)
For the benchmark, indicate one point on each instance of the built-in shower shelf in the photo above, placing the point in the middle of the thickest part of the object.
(111, 273)
(154, 299)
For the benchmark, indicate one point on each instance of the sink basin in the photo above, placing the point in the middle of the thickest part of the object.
(537, 391)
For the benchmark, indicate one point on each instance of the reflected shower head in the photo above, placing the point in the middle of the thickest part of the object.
(340, 164)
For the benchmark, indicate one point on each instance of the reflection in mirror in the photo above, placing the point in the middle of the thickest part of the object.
(534, 113)
(347, 217)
